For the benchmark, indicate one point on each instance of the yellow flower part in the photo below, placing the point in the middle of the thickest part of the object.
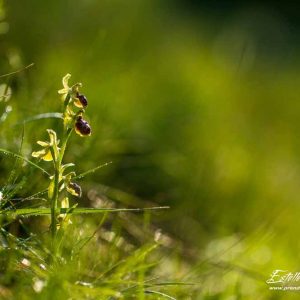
(64, 216)
(45, 153)
(72, 91)
(65, 82)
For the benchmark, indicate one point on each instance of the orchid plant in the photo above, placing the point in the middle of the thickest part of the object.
(61, 182)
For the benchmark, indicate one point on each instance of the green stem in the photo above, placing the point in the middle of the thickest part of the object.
(57, 160)
(67, 134)
(57, 170)
(54, 204)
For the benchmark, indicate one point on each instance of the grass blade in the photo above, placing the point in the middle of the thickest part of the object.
(25, 159)
(18, 71)
(92, 170)
(54, 115)
(160, 294)
(76, 211)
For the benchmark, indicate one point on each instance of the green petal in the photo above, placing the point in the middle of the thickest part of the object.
(65, 203)
(52, 136)
(76, 87)
(63, 91)
(43, 144)
(44, 154)
(64, 167)
(65, 81)
(39, 154)
(69, 176)
(65, 218)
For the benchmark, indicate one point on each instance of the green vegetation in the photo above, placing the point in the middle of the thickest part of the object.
(189, 180)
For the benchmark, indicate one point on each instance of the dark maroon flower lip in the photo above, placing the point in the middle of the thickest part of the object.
(81, 100)
(82, 127)
(74, 189)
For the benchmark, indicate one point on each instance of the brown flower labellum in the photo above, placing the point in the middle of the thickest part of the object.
(82, 127)
(80, 101)
(74, 189)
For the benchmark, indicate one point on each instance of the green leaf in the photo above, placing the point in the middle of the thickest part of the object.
(50, 115)
(18, 71)
(92, 170)
(160, 294)
(64, 167)
(75, 211)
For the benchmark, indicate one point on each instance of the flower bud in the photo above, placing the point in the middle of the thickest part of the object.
(82, 127)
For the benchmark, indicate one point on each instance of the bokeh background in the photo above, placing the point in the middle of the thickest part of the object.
(196, 103)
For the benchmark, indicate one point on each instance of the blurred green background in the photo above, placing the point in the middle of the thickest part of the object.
(196, 103)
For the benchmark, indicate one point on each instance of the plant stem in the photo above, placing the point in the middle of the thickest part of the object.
(57, 175)
(57, 160)
(54, 203)
(58, 155)
(67, 134)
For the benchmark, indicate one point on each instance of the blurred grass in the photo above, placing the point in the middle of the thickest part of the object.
(198, 112)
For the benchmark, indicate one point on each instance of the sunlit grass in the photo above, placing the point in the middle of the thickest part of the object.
(197, 113)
